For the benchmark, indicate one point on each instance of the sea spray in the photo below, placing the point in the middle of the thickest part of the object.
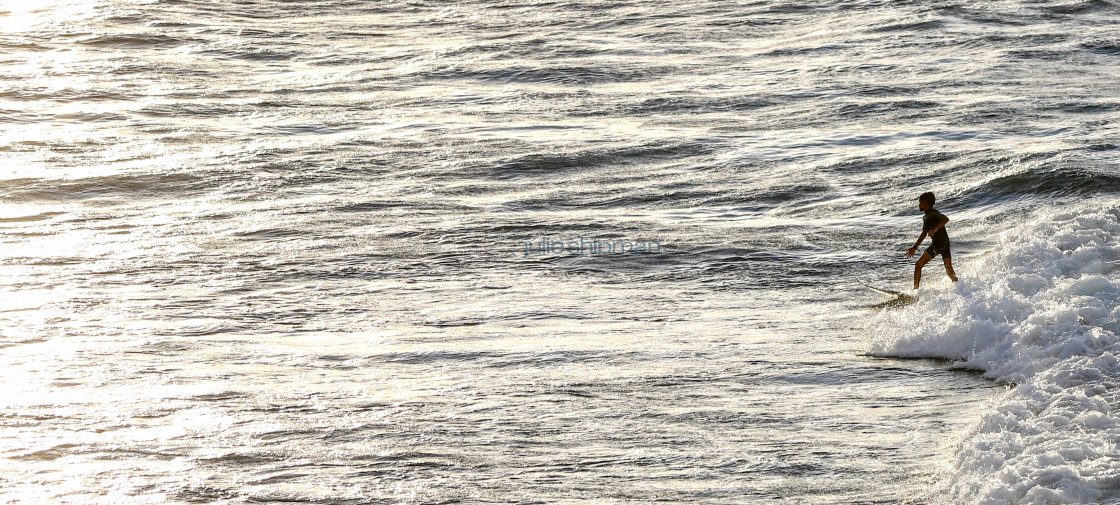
(1039, 312)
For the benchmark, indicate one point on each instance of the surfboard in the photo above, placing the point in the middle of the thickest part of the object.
(899, 299)
(880, 290)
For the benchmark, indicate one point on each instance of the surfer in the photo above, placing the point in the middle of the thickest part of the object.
(933, 224)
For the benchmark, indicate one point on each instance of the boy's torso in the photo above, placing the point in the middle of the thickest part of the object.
(930, 220)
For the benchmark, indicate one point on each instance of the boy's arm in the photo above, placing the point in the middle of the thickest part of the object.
(910, 252)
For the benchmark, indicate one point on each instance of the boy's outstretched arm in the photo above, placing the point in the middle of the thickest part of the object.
(910, 252)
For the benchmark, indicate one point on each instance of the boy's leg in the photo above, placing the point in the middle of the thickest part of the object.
(949, 269)
(918, 268)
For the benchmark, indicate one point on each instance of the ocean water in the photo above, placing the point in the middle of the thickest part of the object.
(326, 252)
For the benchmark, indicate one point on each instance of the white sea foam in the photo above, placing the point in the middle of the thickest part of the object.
(1040, 311)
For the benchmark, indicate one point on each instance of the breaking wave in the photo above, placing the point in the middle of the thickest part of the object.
(1039, 312)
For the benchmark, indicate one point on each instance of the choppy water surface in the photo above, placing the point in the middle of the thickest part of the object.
(274, 251)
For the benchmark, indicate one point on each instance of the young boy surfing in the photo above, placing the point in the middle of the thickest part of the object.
(933, 224)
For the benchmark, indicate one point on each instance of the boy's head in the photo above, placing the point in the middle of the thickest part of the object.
(925, 201)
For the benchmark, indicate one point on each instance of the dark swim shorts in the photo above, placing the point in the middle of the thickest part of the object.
(942, 249)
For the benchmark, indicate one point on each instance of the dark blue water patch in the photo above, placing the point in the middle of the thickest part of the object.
(128, 18)
(256, 458)
(115, 188)
(809, 51)
(1006, 41)
(289, 497)
(343, 34)
(778, 256)
(652, 197)
(539, 49)
(47, 261)
(760, 277)
(163, 23)
(88, 117)
(889, 109)
(859, 70)
(213, 110)
(1002, 116)
(43, 216)
(696, 104)
(28, 417)
(533, 164)
(1038, 54)
(637, 198)
(797, 115)
(354, 60)
(505, 359)
(289, 436)
(272, 52)
(529, 230)
(829, 374)
(1027, 39)
(1055, 179)
(67, 95)
(772, 195)
(53, 453)
(372, 266)
(138, 41)
(1108, 47)
(147, 69)
(986, 16)
(728, 23)
(380, 207)
(203, 493)
(278, 478)
(800, 8)
(885, 90)
(1082, 7)
(224, 396)
(924, 161)
(908, 26)
(230, 328)
(272, 103)
(22, 44)
(369, 206)
(1084, 107)
(546, 74)
(215, 14)
(253, 33)
(291, 406)
(807, 257)
(307, 129)
(270, 234)
(18, 117)
(300, 8)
